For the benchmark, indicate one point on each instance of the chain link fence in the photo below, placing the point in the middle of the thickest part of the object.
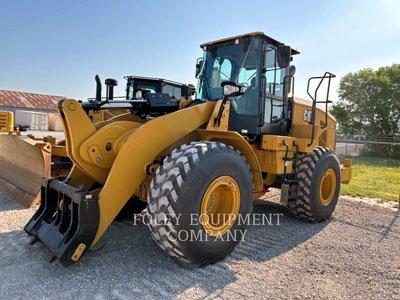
(376, 165)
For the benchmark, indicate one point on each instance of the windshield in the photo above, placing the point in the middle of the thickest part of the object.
(229, 62)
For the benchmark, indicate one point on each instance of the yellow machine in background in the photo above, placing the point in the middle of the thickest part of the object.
(244, 133)
(6, 121)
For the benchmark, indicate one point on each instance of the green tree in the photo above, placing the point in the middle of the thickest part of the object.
(369, 102)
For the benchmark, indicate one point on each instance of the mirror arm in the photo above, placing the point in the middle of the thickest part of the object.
(217, 119)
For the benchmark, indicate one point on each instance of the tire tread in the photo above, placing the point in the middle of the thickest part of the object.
(305, 166)
(163, 197)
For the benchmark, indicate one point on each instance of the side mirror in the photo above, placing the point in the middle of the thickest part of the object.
(199, 63)
(292, 70)
(232, 89)
(283, 56)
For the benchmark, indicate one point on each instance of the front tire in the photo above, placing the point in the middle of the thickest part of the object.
(194, 185)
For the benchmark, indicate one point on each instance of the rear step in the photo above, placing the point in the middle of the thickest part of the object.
(66, 221)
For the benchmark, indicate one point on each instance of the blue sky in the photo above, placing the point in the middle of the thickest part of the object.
(56, 47)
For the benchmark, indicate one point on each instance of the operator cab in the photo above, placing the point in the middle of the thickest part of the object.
(152, 97)
(149, 85)
(145, 97)
(261, 65)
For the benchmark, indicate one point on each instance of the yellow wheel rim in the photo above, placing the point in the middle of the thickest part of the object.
(327, 187)
(220, 206)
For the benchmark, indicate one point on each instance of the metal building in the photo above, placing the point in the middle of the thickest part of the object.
(31, 111)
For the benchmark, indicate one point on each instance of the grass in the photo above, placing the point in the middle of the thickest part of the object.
(374, 178)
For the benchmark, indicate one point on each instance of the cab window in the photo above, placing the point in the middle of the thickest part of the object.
(131, 89)
(172, 90)
(222, 71)
(274, 107)
(246, 75)
(149, 87)
(274, 75)
(273, 111)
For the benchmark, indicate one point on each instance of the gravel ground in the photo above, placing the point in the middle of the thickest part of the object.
(353, 255)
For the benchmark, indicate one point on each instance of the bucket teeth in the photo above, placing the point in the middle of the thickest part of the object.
(65, 219)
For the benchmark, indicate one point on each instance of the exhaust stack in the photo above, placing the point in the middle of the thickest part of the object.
(98, 88)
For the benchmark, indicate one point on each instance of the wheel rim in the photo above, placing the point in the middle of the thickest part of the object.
(220, 206)
(327, 187)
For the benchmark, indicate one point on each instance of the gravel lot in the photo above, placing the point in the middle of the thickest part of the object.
(353, 255)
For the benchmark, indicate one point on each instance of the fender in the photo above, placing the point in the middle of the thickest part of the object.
(235, 140)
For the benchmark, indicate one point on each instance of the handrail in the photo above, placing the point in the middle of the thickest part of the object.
(329, 76)
(290, 82)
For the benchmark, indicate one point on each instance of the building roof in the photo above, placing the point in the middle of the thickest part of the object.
(256, 33)
(29, 100)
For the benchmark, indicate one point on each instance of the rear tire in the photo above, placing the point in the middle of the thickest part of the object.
(318, 175)
(179, 191)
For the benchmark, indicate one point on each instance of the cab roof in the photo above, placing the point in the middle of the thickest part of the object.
(153, 79)
(256, 33)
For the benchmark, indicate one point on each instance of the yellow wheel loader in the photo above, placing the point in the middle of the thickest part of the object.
(197, 164)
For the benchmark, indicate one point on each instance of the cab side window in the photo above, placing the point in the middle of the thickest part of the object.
(172, 90)
(150, 87)
(274, 107)
(274, 74)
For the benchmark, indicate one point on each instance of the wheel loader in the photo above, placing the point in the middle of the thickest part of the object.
(25, 160)
(196, 165)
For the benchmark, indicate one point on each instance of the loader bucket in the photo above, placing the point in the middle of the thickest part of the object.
(23, 164)
(66, 221)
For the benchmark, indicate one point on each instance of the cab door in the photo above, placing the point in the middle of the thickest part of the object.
(274, 104)
(244, 114)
